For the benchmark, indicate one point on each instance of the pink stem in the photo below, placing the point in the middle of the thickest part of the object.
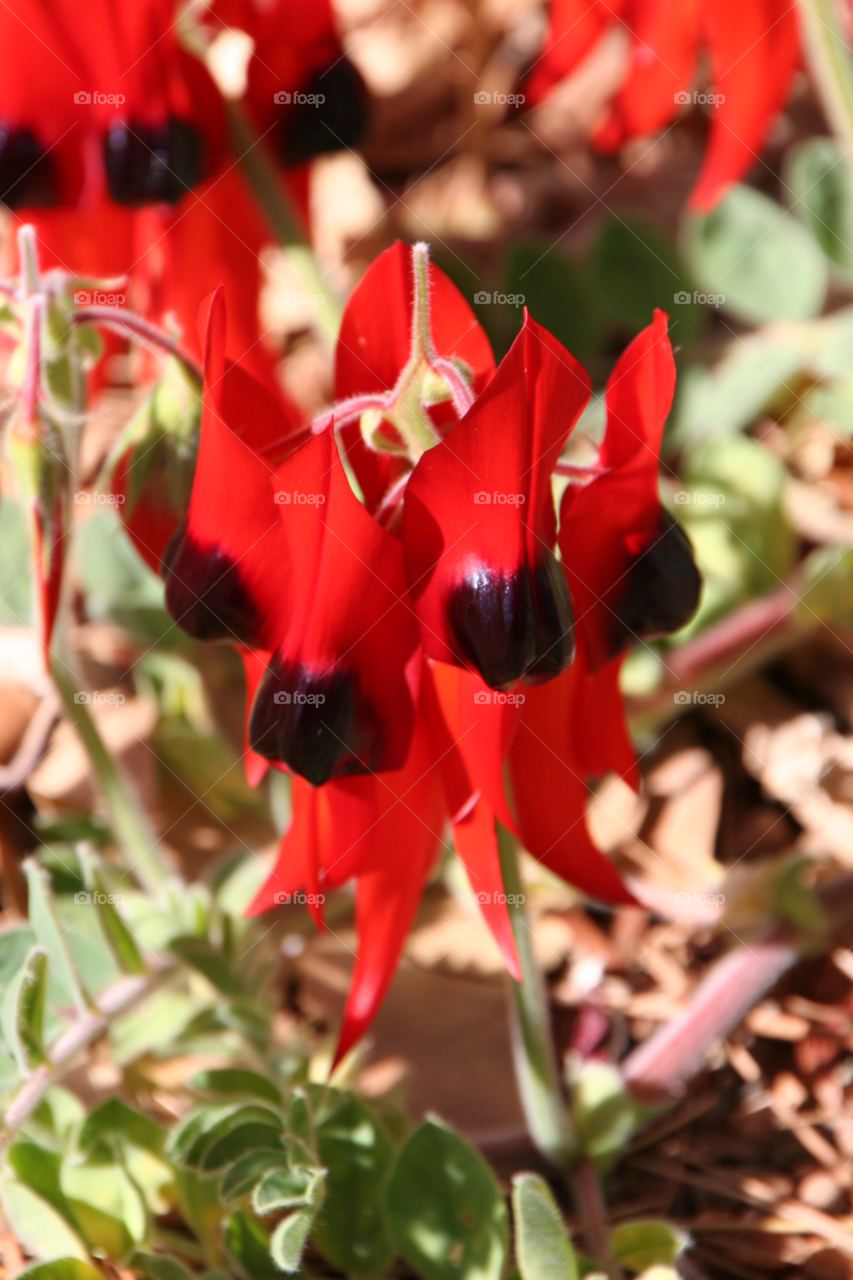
(463, 396)
(125, 322)
(346, 411)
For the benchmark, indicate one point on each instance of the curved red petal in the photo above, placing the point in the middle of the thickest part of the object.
(754, 50)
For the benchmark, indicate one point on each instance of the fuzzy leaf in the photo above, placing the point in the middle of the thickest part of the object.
(49, 933)
(158, 1266)
(289, 1189)
(236, 1081)
(61, 1269)
(290, 1238)
(244, 1174)
(22, 1013)
(542, 1246)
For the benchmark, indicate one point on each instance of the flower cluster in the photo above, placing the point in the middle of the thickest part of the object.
(752, 50)
(376, 634)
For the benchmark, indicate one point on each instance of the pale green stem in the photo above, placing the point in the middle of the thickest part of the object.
(263, 179)
(829, 61)
(29, 262)
(129, 821)
(533, 1048)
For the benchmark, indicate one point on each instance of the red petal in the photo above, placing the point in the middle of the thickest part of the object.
(254, 666)
(476, 843)
(373, 348)
(550, 797)
(574, 27)
(339, 695)
(597, 517)
(226, 567)
(754, 50)
(478, 520)
(407, 836)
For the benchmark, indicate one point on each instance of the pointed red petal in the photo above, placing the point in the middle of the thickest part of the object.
(407, 836)
(297, 852)
(479, 524)
(550, 797)
(476, 844)
(254, 665)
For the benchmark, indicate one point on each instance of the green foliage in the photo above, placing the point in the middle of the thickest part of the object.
(639, 1245)
(760, 259)
(445, 1212)
(604, 1115)
(818, 177)
(543, 1250)
(118, 584)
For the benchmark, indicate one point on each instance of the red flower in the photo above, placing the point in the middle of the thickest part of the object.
(119, 107)
(387, 747)
(752, 49)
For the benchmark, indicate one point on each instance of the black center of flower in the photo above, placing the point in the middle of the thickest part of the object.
(660, 592)
(309, 127)
(205, 593)
(27, 174)
(316, 722)
(145, 163)
(513, 626)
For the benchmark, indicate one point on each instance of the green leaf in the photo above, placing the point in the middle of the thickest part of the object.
(61, 1269)
(40, 1169)
(639, 1245)
(22, 1012)
(290, 1238)
(542, 1246)
(248, 1242)
(762, 260)
(357, 1154)
(236, 1081)
(637, 269)
(40, 1228)
(15, 942)
(158, 1266)
(120, 940)
(210, 961)
(220, 1134)
(117, 583)
(244, 1173)
(289, 1189)
(604, 1115)
(50, 934)
(818, 177)
(115, 1119)
(107, 1206)
(446, 1214)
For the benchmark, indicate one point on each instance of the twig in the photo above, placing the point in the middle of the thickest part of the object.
(32, 745)
(114, 1000)
(592, 1212)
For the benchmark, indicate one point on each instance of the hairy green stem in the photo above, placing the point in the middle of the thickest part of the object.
(829, 61)
(133, 831)
(533, 1050)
